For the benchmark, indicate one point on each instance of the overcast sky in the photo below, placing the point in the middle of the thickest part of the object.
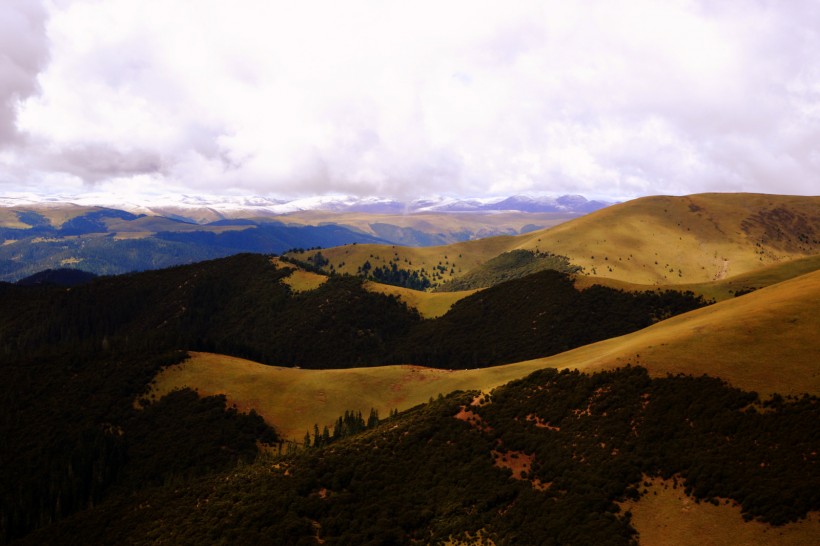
(414, 98)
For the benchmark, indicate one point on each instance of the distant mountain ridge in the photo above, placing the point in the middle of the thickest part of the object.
(37, 234)
(208, 208)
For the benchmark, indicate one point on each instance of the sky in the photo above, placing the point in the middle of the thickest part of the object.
(608, 99)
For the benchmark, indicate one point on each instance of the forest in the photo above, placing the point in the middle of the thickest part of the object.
(238, 306)
(591, 442)
(76, 362)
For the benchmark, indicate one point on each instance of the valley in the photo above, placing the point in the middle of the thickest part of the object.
(647, 370)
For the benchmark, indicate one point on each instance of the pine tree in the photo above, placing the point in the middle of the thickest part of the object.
(373, 420)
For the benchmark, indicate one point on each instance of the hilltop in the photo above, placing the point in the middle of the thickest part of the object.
(657, 240)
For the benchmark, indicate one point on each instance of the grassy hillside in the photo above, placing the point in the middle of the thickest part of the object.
(428, 304)
(652, 240)
(765, 341)
(667, 515)
(697, 238)
(722, 289)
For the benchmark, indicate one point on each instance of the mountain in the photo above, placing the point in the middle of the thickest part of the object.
(657, 240)
(208, 208)
(106, 241)
(565, 203)
(110, 241)
(59, 277)
(246, 399)
(744, 340)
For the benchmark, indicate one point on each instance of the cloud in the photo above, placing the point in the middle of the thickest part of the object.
(23, 53)
(409, 99)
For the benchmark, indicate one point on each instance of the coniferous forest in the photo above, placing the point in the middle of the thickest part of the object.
(447, 470)
(86, 459)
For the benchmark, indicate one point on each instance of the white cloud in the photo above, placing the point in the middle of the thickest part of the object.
(407, 99)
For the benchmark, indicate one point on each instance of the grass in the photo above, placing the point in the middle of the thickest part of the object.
(765, 341)
(692, 239)
(57, 215)
(658, 240)
(722, 289)
(666, 515)
(428, 304)
(461, 257)
(300, 280)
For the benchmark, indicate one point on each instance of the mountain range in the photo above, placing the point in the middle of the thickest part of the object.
(79, 232)
(205, 209)
(645, 373)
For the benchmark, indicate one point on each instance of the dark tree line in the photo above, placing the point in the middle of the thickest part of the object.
(425, 476)
(238, 306)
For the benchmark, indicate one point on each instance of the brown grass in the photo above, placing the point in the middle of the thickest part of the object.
(765, 341)
(697, 238)
(721, 289)
(428, 304)
(300, 280)
(667, 516)
(657, 240)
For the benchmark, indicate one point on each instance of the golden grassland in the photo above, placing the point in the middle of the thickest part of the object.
(717, 290)
(428, 304)
(9, 219)
(436, 304)
(697, 238)
(461, 257)
(765, 341)
(666, 516)
(656, 240)
(155, 224)
(304, 281)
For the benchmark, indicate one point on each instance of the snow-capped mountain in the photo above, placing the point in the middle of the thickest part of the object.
(208, 208)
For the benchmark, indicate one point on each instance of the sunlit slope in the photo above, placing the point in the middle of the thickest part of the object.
(440, 263)
(666, 515)
(721, 289)
(697, 238)
(765, 341)
(651, 240)
(428, 304)
(52, 215)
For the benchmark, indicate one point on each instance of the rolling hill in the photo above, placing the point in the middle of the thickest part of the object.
(102, 446)
(651, 240)
(110, 241)
(765, 341)
(549, 459)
